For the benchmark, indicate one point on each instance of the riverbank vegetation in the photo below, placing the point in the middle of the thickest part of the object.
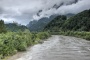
(79, 34)
(12, 42)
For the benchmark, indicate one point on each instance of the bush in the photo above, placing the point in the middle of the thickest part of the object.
(83, 34)
(43, 35)
(11, 42)
(6, 45)
(87, 37)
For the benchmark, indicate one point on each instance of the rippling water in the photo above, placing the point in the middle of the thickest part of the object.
(59, 48)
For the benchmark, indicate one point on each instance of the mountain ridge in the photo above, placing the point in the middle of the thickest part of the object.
(79, 22)
(40, 24)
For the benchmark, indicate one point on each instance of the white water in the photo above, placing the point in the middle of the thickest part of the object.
(58, 48)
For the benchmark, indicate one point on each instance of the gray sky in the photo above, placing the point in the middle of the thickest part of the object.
(23, 11)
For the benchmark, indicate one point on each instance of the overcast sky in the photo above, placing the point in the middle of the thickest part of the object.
(23, 11)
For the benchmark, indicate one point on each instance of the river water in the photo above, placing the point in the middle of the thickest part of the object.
(57, 48)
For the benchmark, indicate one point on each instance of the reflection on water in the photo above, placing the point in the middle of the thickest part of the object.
(59, 48)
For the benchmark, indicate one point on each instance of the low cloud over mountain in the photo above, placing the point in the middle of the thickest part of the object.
(24, 11)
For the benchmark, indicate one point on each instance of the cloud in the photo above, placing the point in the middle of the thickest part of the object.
(23, 11)
(65, 7)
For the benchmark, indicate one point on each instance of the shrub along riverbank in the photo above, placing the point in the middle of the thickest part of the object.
(12, 42)
(83, 34)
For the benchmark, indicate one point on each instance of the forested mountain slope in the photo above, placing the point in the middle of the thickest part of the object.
(40, 24)
(56, 23)
(15, 27)
(79, 22)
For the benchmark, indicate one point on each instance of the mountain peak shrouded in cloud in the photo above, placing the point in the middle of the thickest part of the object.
(24, 11)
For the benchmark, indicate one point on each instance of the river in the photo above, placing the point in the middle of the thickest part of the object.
(57, 48)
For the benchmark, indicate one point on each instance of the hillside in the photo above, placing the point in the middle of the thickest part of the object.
(40, 24)
(15, 27)
(56, 23)
(79, 22)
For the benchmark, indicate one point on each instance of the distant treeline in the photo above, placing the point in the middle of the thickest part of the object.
(14, 27)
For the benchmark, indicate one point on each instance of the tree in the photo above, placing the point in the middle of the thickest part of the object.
(2, 26)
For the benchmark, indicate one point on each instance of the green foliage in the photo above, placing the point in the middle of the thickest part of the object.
(12, 42)
(83, 34)
(40, 24)
(78, 25)
(2, 27)
(43, 35)
(79, 22)
(14, 27)
(17, 38)
(56, 24)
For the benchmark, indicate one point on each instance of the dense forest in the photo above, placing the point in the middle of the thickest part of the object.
(79, 22)
(56, 23)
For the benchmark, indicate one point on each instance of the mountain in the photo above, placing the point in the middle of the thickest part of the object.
(15, 27)
(78, 22)
(56, 23)
(40, 24)
(69, 15)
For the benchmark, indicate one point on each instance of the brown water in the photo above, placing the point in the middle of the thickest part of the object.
(58, 48)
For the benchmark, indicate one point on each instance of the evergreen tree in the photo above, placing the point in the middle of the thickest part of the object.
(2, 26)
